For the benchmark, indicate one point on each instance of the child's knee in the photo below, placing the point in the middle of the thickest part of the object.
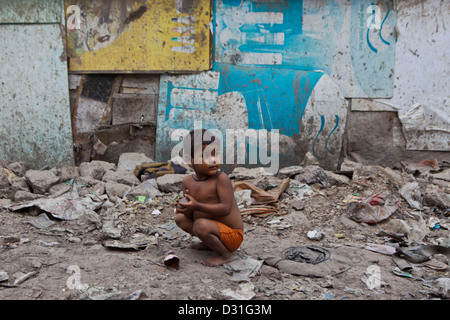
(202, 227)
(180, 219)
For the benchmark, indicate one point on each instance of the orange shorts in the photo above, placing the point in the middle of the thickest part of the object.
(231, 238)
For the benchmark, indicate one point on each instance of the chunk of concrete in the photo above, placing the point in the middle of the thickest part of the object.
(95, 169)
(129, 161)
(114, 189)
(337, 179)
(121, 176)
(313, 175)
(4, 182)
(20, 183)
(19, 168)
(22, 196)
(170, 182)
(69, 172)
(435, 197)
(148, 188)
(290, 171)
(41, 180)
(241, 173)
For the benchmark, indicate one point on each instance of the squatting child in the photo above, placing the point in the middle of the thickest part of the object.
(212, 213)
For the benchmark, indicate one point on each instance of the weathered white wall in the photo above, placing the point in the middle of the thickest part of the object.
(35, 122)
(421, 92)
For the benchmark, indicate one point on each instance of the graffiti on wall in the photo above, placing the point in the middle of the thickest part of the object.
(354, 44)
(138, 35)
(302, 106)
(372, 47)
(272, 33)
(279, 65)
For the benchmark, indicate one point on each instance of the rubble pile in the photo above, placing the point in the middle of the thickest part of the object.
(400, 212)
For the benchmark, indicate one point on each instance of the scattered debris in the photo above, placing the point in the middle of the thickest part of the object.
(315, 234)
(243, 269)
(171, 260)
(374, 209)
(244, 291)
(137, 243)
(310, 261)
(400, 213)
(20, 277)
(383, 249)
(41, 221)
(441, 287)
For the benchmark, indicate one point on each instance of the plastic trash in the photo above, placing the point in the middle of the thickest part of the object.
(411, 193)
(373, 209)
(243, 198)
(243, 269)
(141, 199)
(136, 243)
(156, 212)
(245, 291)
(171, 260)
(3, 276)
(315, 234)
(441, 287)
(383, 249)
(404, 274)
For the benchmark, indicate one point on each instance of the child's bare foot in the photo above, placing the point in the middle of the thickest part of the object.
(199, 246)
(216, 261)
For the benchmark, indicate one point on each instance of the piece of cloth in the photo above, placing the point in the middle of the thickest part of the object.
(153, 170)
(263, 203)
(231, 238)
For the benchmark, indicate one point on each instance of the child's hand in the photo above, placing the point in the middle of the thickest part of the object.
(192, 204)
(187, 206)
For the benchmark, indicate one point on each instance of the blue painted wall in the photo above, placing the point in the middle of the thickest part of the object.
(272, 55)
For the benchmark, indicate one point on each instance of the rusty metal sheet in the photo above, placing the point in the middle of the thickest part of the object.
(30, 11)
(130, 36)
(35, 124)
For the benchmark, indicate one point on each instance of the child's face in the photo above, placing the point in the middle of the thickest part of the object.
(206, 164)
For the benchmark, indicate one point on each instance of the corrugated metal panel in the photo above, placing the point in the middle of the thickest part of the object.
(30, 11)
(140, 36)
(35, 124)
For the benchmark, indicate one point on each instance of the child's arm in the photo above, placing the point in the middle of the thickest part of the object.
(188, 212)
(226, 197)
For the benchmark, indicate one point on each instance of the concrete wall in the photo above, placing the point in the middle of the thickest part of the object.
(112, 114)
(272, 61)
(34, 103)
(415, 123)
(337, 78)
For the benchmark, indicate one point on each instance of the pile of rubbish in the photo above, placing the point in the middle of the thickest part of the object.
(413, 197)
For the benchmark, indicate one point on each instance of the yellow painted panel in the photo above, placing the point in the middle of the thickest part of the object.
(138, 35)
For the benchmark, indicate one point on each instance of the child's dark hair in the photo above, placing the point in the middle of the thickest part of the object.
(189, 140)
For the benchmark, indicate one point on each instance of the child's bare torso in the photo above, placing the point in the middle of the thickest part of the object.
(206, 192)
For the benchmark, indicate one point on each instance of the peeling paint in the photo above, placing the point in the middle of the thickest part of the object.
(34, 102)
(130, 36)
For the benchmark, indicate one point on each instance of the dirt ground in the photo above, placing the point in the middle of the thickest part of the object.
(68, 260)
